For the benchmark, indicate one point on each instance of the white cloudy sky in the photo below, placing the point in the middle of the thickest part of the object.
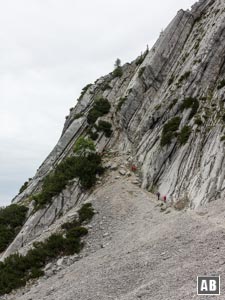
(49, 50)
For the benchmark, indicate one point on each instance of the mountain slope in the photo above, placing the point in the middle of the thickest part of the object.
(167, 115)
(146, 253)
(186, 62)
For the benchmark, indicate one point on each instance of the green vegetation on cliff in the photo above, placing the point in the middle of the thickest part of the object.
(190, 103)
(170, 131)
(100, 108)
(12, 219)
(84, 165)
(16, 270)
(184, 134)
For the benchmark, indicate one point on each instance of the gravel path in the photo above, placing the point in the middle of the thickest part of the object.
(134, 251)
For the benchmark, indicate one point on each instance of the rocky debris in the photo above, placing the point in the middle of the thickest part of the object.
(145, 247)
(60, 261)
(187, 55)
(136, 181)
(114, 167)
(122, 172)
(107, 165)
(163, 208)
(48, 266)
(186, 63)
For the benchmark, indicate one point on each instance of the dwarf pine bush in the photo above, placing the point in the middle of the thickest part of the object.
(16, 270)
(12, 218)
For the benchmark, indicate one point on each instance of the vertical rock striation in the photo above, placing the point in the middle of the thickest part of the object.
(182, 76)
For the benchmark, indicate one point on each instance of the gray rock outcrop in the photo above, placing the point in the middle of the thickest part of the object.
(182, 76)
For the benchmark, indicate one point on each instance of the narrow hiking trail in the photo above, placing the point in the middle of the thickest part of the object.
(136, 251)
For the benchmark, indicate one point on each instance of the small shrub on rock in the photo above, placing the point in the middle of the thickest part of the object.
(141, 58)
(198, 121)
(85, 165)
(221, 84)
(105, 127)
(23, 187)
(12, 218)
(140, 72)
(170, 131)
(190, 103)
(86, 212)
(93, 135)
(173, 103)
(16, 270)
(118, 71)
(184, 135)
(171, 80)
(184, 76)
(100, 108)
(121, 102)
(84, 90)
(84, 147)
(78, 116)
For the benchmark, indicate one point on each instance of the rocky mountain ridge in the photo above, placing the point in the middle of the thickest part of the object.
(187, 61)
(167, 119)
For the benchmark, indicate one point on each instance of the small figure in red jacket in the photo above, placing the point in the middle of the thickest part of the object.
(133, 168)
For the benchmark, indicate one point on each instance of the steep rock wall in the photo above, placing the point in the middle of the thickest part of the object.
(192, 47)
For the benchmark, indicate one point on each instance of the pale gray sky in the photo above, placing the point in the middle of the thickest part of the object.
(49, 50)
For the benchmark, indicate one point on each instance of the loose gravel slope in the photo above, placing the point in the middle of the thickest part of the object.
(135, 251)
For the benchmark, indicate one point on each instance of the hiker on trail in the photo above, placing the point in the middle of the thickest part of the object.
(158, 195)
(133, 168)
(164, 199)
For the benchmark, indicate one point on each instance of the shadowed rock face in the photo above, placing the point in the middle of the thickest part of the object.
(187, 61)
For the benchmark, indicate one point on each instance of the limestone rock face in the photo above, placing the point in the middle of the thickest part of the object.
(186, 62)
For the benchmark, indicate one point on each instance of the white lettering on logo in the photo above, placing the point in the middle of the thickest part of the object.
(212, 285)
(204, 286)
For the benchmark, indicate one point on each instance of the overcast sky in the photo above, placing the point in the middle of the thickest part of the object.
(49, 50)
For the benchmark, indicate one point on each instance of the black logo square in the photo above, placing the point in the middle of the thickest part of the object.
(208, 285)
